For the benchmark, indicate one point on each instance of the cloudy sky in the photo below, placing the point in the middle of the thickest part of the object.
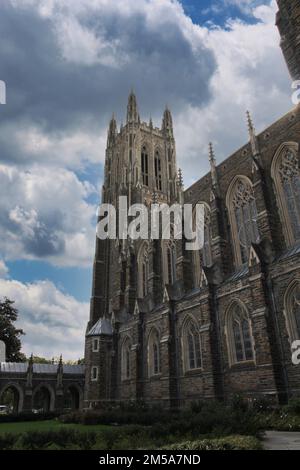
(68, 64)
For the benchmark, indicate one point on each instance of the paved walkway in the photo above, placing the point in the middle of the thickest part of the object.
(277, 440)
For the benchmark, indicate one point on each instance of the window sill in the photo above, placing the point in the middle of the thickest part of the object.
(155, 377)
(243, 364)
(126, 381)
(196, 371)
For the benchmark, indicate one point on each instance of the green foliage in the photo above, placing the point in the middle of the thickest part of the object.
(224, 443)
(27, 416)
(9, 333)
(50, 440)
(7, 441)
(41, 360)
(211, 417)
(293, 406)
(279, 420)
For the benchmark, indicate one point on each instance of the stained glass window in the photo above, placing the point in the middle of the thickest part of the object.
(193, 347)
(171, 262)
(126, 360)
(144, 165)
(289, 176)
(241, 335)
(158, 175)
(154, 354)
(246, 217)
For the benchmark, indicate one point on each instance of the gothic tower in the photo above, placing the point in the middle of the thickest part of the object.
(140, 164)
(288, 23)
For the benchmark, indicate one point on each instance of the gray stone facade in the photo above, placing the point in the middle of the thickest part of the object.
(201, 327)
(288, 22)
(42, 387)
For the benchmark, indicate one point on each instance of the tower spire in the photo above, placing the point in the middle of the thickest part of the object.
(132, 109)
(167, 122)
(112, 131)
(252, 134)
(213, 168)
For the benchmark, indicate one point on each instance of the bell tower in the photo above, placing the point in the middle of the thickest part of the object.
(288, 23)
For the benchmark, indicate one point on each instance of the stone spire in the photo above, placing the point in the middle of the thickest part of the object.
(59, 373)
(253, 138)
(112, 132)
(167, 122)
(180, 186)
(213, 169)
(29, 374)
(132, 109)
(180, 178)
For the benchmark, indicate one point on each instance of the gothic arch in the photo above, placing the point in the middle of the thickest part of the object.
(158, 168)
(241, 206)
(49, 390)
(284, 169)
(145, 163)
(143, 269)
(169, 253)
(17, 388)
(153, 352)
(238, 332)
(206, 251)
(77, 397)
(126, 358)
(291, 302)
(191, 344)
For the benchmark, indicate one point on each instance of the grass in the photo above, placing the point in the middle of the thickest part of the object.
(50, 425)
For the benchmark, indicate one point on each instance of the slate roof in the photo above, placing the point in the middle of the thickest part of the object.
(102, 327)
(21, 367)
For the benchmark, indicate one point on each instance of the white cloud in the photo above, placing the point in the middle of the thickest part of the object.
(44, 214)
(53, 321)
(3, 269)
(71, 149)
(251, 74)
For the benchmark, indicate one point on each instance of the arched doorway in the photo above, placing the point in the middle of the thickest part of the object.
(42, 400)
(12, 398)
(72, 398)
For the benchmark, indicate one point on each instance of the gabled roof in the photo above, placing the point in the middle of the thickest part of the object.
(102, 327)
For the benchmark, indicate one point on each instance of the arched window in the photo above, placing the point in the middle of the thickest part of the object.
(143, 270)
(125, 359)
(292, 310)
(243, 218)
(171, 262)
(286, 176)
(145, 166)
(191, 343)
(238, 331)
(158, 174)
(154, 353)
(206, 251)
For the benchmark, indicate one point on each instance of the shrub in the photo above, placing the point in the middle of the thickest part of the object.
(293, 406)
(224, 443)
(63, 438)
(7, 441)
(28, 416)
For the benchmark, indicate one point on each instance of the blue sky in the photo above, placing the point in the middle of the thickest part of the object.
(67, 66)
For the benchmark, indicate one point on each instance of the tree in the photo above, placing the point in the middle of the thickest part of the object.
(9, 333)
(41, 360)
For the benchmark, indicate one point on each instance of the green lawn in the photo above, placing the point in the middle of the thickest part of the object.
(24, 426)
